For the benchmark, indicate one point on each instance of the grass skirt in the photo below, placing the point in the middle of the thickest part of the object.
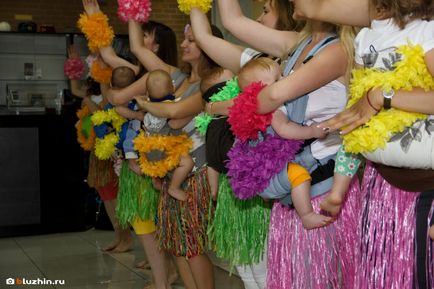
(101, 172)
(137, 198)
(239, 229)
(182, 226)
(385, 257)
(299, 258)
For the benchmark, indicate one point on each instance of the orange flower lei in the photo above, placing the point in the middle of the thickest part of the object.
(87, 143)
(97, 30)
(99, 73)
(173, 147)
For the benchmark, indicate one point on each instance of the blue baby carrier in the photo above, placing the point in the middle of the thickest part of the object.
(321, 170)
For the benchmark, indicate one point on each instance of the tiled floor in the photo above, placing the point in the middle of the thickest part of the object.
(77, 259)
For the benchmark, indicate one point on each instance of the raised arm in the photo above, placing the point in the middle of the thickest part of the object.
(329, 64)
(77, 89)
(90, 104)
(347, 12)
(256, 35)
(147, 57)
(107, 53)
(110, 57)
(186, 107)
(224, 53)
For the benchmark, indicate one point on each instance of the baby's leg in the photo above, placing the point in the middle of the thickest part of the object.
(299, 178)
(303, 206)
(213, 180)
(346, 167)
(179, 175)
(332, 203)
(431, 232)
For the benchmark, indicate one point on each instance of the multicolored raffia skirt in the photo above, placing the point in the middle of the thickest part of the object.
(182, 226)
(137, 197)
(101, 172)
(322, 258)
(385, 257)
(238, 232)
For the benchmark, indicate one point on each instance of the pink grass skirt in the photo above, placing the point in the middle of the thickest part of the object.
(322, 258)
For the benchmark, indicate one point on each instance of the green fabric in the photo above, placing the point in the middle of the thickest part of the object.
(136, 197)
(86, 125)
(229, 91)
(347, 164)
(239, 229)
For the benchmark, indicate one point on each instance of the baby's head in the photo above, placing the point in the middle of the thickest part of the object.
(260, 69)
(401, 11)
(122, 77)
(159, 84)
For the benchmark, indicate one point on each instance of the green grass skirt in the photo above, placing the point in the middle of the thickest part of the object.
(239, 229)
(137, 198)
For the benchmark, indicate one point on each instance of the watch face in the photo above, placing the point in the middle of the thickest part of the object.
(388, 94)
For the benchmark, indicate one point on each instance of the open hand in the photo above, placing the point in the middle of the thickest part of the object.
(91, 6)
(72, 52)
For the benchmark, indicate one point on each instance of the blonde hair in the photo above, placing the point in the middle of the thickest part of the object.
(122, 76)
(346, 36)
(248, 73)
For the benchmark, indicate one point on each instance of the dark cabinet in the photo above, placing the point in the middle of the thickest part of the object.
(42, 172)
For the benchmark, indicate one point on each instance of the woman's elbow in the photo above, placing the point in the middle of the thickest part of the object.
(268, 102)
(115, 99)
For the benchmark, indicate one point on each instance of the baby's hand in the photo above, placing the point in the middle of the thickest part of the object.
(317, 132)
(141, 101)
(134, 166)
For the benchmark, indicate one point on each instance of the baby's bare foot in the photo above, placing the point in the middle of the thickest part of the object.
(313, 220)
(332, 204)
(177, 193)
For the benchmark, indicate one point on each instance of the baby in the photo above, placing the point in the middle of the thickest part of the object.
(161, 89)
(267, 71)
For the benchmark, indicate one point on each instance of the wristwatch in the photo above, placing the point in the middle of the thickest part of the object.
(387, 98)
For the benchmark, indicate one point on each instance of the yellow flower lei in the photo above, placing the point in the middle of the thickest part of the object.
(409, 73)
(186, 5)
(87, 143)
(105, 147)
(173, 146)
(100, 74)
(96, 29)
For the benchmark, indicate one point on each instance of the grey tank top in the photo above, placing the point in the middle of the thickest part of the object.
(198, 150)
